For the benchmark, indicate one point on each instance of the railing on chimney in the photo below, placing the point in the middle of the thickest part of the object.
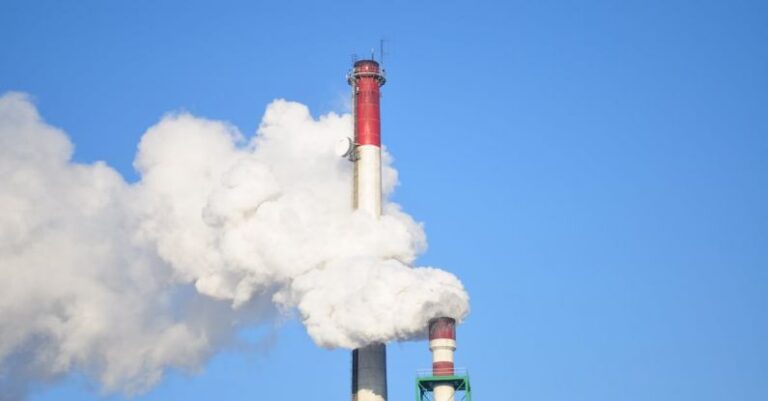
(426, 380)
(439, 372)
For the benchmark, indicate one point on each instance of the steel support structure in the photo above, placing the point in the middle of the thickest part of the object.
(425, 387)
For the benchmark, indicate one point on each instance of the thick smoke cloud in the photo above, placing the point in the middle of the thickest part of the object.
(123, 280)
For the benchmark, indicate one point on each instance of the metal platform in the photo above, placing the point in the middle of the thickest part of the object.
(426, 382)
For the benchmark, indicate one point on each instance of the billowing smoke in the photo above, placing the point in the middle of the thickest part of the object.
(122, 280)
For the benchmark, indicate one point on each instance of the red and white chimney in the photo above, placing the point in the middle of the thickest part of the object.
(442, 343)
(366, 78)
(369, 363)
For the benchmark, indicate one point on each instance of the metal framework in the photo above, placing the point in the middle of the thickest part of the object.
(425, 386)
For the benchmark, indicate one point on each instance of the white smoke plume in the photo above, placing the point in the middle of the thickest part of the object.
(123, 280)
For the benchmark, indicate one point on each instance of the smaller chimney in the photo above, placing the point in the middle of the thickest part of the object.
(442, 343)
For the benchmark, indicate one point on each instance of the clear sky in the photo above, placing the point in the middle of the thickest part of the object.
(595, 172)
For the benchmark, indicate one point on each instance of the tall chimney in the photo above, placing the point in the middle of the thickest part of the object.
(369, 363)
(442, 343)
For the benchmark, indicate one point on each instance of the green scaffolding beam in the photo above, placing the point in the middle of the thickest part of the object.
(426, 385)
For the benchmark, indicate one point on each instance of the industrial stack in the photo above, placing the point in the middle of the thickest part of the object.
(443, 382)
(442, 343)
(369, 363)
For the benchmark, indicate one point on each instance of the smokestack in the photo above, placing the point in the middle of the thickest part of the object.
(442, 343)
(369, 364)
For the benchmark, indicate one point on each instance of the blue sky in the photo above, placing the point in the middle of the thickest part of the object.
(594, 172)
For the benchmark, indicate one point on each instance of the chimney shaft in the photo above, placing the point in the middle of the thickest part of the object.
(369, 364)
(442, 343)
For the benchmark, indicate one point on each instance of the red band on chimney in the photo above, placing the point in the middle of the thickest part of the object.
(367, 96)
(442, 327)
(442, 368)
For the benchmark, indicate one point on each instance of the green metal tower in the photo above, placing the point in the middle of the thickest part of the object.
(426, 382)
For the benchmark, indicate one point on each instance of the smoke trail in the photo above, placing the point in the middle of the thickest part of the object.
(121, 281)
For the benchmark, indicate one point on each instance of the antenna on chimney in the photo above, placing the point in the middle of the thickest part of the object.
(381, 51)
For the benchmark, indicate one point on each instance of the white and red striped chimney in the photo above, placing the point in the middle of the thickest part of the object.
(442, 343)
(369, 363)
